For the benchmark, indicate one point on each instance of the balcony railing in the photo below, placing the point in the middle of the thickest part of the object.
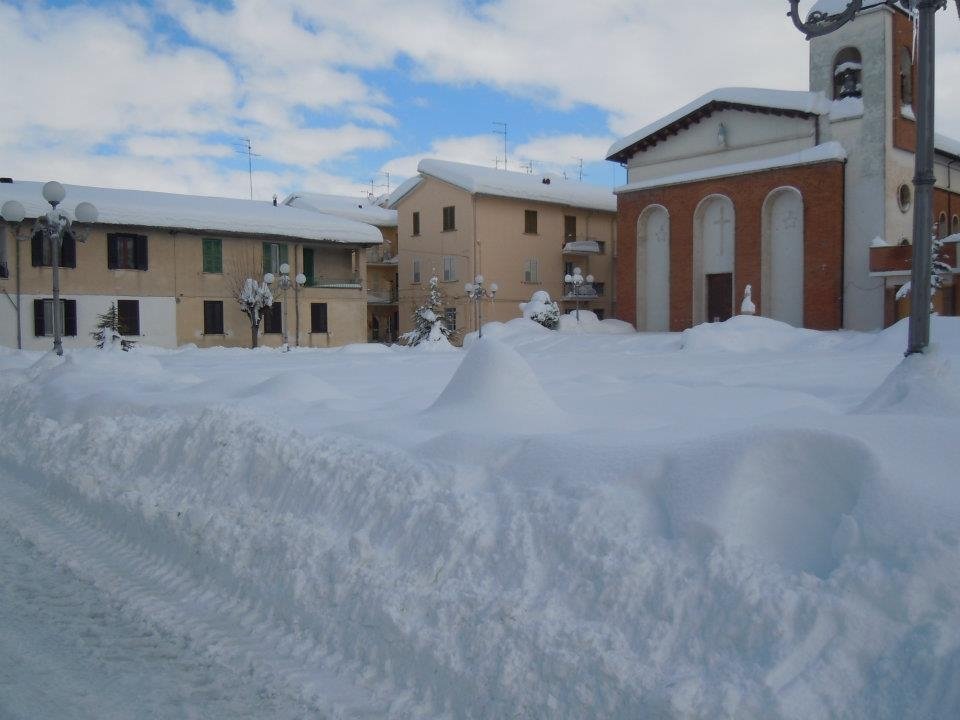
(379, 294)
(899, 258)
(583, 246)
(584, 292)
(379, 256)
(323, 281)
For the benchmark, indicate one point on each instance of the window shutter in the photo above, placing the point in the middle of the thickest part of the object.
(207, 254)
(38, 329)
(113, 251)
(141, 252)
(218, 256)
(70, 317)
(308, 266)
(36, 249)
(68, 251)
(318, 317)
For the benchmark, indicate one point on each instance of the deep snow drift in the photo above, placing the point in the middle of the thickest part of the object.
(746, 520)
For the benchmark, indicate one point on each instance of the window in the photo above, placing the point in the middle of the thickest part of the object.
(906, 77)
(569, 227)
(274, 255)
(450, 319)
(126, 252)
(318, 317)
(847, 69)
(904, 197)
(416, 270)
(942, 228)
(273, 319)
(449, 268)
(531, 271)
(41, 252)
(416, 222)
(602, 246)
(568, 268)
(955, 225)
(212, 255)
(530, 222)
(449, 218)
(213, 317)
(43, 317)
(128, 315)
(309, 271)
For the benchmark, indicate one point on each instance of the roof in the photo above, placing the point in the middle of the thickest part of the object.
(826, 152)
(140, 208)
(549, 188)
(791, 103)
(946, 145)
(344, 206)
(404, 189)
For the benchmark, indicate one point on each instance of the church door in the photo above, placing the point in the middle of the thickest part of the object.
(719, 297)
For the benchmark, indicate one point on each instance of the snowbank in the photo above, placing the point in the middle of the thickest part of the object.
(589, 323)
(922, 384)
(750, 334)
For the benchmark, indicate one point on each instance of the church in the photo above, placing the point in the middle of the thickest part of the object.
(804, 195)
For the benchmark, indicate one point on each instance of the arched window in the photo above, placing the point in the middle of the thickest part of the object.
(847, 74)
(942, 228)
(955, 225)
(906, 77)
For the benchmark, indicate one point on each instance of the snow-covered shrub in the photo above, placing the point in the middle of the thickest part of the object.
(253, 298)
(939, 269)
(109, 333)
(542, 309)
(428, 322)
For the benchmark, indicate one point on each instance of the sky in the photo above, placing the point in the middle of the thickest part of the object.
(346, 97)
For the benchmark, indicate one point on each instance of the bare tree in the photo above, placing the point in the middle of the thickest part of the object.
(248, 287)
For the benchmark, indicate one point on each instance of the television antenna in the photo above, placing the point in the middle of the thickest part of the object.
(247, 149)
(504, 133)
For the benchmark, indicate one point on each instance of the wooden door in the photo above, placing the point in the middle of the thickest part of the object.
(719, 297)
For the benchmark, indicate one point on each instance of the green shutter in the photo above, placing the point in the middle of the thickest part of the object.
(212, 256)
(308, 266)
(283, 254)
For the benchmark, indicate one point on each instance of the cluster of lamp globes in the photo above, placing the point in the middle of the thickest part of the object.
(300, 278)
(577, 279)
(476, 289)
(54, 193)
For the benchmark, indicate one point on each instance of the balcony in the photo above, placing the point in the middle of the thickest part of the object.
(344, 283)
(382, 294)
(899, 258)
(584, 246)
(380, 256)
(583, 293)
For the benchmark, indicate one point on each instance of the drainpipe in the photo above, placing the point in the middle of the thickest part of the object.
(296, 289)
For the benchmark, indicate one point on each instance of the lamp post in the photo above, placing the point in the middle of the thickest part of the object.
(576, 281)
(477, 292)
(53, 226)
(284, 283)
(823, 22)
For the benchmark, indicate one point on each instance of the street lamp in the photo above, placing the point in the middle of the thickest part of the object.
(284, 283)
(827, 17)
(477, 292)
(53, 226)
(576, 281)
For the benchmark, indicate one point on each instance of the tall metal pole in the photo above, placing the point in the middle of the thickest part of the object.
(923, 181)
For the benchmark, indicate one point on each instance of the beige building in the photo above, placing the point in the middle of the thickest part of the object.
(522, 231)
(382, 260)
(173, 263)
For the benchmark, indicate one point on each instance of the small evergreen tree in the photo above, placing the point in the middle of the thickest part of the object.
(541, 309)
(939, 269)
(253, 298)
(428, 322)
(109, 332)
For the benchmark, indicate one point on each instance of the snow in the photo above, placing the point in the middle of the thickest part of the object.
(586, 321)
(139, 208)
(946, 144)
(550, 188)
(846, 108)
(747, 307)
(404, 189)
(586, 246)
(742, 520)
(796, 100)
(825, 152)
(343, 206)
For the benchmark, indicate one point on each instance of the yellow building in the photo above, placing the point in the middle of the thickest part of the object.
(524, 232)
(382, 260)
(173, 264)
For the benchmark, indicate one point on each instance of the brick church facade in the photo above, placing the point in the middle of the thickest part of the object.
(804, 196)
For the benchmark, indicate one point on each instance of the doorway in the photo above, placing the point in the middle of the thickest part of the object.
(719, 297)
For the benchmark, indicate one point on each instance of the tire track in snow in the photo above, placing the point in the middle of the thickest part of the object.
(231, 637)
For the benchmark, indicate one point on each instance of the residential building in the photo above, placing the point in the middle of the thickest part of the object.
(173, 264)
(806, 196)
(522, 231)
(381, 280)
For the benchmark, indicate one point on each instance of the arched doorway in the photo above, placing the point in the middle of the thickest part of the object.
(714, 250)
(653, 269)
(781, 256)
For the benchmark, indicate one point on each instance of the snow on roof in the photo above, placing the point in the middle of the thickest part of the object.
(587, 246)
(820, 153)
(404, 189)
(795, 101)
(947, 145)
(344, 206)
(142, 208)
(540, 187)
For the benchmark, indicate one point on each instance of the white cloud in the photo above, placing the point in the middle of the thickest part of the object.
(473, 149)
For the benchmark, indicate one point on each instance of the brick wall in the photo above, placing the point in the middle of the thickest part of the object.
(904, 129)
(822, 188)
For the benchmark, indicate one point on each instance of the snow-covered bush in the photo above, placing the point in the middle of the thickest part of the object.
(253, 298)
(428, 322)
(542, 309)
(109, 333)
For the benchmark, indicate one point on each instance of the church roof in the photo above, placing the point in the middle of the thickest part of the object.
(538, 187)
(791, 103)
